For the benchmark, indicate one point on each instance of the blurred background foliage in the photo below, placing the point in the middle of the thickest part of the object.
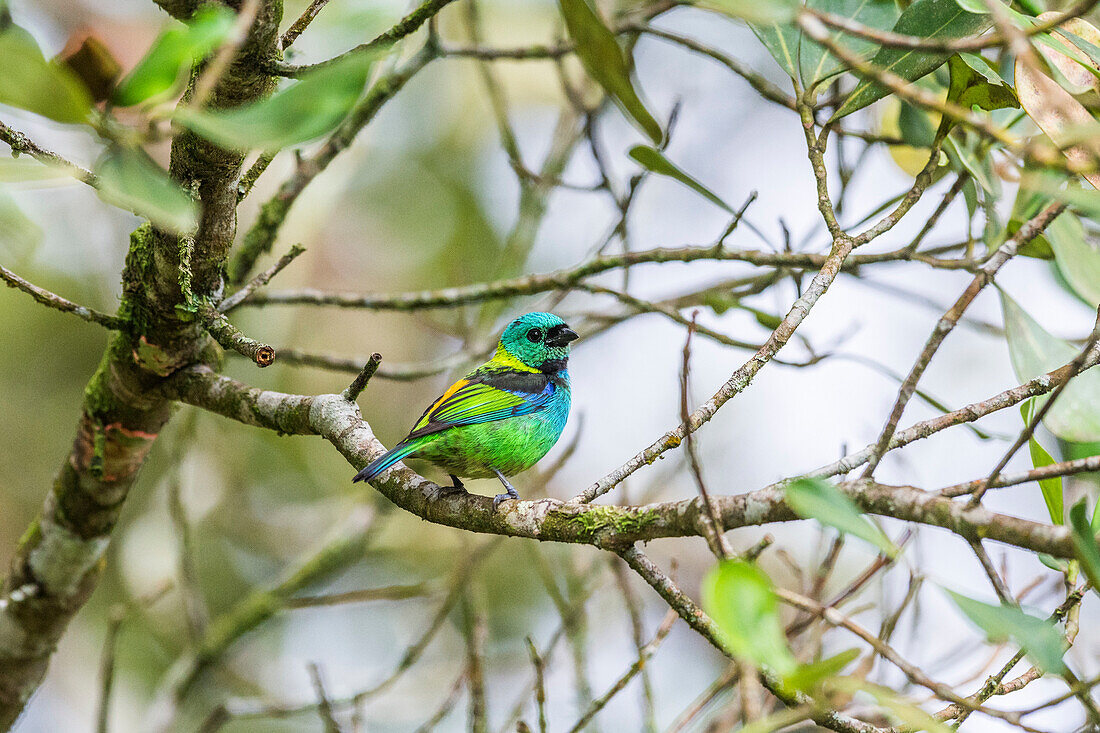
(425, 199)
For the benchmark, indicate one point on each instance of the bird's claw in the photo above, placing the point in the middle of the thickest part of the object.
(509, 494)
(445, 491)
(456, 487)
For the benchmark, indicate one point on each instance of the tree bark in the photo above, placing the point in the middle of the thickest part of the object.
(59, 559)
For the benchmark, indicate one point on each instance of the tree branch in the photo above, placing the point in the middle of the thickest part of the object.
(58, 560)
(739, 380)
(563, 279)
(950, 319)
(338, 421)
(50, 300)
(20, 143)
(404, 27)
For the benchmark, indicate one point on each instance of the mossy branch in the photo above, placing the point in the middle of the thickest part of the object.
(338, 421)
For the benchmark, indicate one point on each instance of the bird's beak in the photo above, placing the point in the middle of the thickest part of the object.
(562, 337)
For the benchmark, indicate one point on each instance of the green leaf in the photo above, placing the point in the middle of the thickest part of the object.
(1087, 201)
(809, 676)
(165, 65)
(1054, 563)
(30, 82)
(1034, 352)
(1038, 637)
(916, 129)
(813, 498)
(756, 11)
(1094, 525)
(980, 167)
(935, 19)
(1027, 204)
(654, 160)
(775, 721)
(129, 179)
(1084, 542)
(1078, 261)
(806, 59)
(303, 111)
(975, 82)
(1051, 487)
(909, 715)
(739, 597)
(605, 62)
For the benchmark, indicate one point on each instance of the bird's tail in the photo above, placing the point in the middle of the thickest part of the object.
(384, 461)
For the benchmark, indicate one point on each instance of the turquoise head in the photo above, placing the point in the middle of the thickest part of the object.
(538, 341)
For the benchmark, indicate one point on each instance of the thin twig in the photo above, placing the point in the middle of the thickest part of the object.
(404, 27)
(260, 280)
(364, 595)
(107, 668)
(540, 683)
(20, 143)
(1064, 468)
(950, 319)
(354, 365)
(1029, 429)
(50, 300)
(231, 338)
(324, 706)
(716, 539)
(446, 706)
(351, 394)
(301, 23)
(474, 630)
(647, 651)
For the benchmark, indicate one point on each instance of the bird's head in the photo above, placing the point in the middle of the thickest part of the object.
(538, 340)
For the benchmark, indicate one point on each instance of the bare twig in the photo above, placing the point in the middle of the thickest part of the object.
(50, 300)
(301, 23)
(260, 280)
(20, 143)
(948, 321)
(231, 338)
(646, 652)
(715, 538)
(351, 394)
(324, 706)
(540, 683)
(404, 27)
(383, 593)
(1029, 429)
(475, 632)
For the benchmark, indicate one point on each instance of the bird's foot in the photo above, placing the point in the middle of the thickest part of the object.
(455, 488)
(510, 493)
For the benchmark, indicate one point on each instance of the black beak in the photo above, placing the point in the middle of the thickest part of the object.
(561, 336)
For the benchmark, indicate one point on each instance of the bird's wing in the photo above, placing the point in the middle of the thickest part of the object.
(481, 398)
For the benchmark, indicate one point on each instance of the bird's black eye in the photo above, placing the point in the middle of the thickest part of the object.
(534, 335)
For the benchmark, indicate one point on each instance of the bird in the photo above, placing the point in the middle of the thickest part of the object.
(500, 418)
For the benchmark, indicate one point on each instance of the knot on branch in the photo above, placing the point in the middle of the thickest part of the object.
(230, 337)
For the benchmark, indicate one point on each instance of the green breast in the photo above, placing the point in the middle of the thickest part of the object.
(511, 446)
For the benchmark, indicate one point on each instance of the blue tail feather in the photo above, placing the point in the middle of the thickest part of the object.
(384, 461)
